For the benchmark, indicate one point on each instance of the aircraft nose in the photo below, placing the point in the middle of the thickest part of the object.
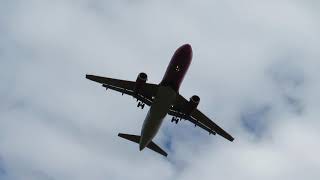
(186, 48)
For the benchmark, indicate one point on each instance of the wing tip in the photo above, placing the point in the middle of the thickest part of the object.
(93, 78)
(231, 139)
(89, 76)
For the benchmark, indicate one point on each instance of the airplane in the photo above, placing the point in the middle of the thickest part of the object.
(163, 99)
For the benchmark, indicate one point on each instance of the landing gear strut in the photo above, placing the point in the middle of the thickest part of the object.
(141, 105)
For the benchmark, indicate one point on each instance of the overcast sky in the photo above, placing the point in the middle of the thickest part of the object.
(255, 66)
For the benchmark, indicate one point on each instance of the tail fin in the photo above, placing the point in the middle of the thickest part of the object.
(136, 139)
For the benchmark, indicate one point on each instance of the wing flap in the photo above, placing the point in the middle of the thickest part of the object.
(121, 90)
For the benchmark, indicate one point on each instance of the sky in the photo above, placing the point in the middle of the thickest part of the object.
(255, 67)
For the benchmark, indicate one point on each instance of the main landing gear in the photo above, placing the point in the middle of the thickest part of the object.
(141, 105)
(175, 119)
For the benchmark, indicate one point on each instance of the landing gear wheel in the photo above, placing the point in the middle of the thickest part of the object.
(141, 105)
(175, 119)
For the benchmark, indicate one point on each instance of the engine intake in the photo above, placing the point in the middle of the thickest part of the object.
(193, 103)
(141, 80)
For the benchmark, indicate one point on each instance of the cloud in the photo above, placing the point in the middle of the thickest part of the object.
(255, 68)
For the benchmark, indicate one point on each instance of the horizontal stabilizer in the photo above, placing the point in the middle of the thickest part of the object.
(151, 145)
(130, 137)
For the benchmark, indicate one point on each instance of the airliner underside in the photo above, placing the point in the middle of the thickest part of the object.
(163, 99)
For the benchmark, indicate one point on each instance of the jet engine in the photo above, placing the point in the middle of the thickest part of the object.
(141, 80)
(193, 103)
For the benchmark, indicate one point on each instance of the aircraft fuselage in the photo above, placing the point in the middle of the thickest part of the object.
(166, 95)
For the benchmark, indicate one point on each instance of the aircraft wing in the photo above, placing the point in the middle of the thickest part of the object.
(146, 93)
(180, 109)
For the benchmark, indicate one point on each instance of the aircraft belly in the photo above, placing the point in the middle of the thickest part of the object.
(156, 114)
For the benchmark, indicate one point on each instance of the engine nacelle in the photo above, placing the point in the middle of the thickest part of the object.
(193, 103)
(141, 80)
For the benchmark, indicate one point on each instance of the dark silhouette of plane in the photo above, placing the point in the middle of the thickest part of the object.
(164, 98)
